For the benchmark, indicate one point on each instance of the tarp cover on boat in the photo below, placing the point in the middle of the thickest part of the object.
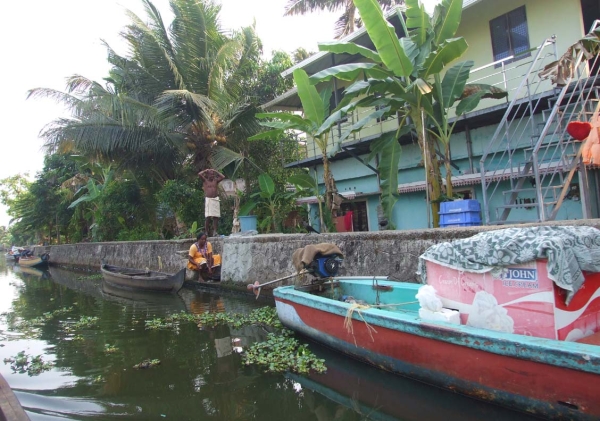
(569, 250)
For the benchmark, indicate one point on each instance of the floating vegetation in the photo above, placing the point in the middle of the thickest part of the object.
(23, 363)
(264, 316)
(84, 322)
(93, 277)
(30, 327)
(110, 349)
(281, 353)
(147, 363)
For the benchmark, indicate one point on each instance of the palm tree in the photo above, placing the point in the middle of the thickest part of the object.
(346, 23)
(170, 101)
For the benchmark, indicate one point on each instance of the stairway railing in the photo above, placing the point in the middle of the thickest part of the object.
(503, 156)
(577, 101)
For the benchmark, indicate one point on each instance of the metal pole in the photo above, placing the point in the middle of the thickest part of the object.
(425, 155)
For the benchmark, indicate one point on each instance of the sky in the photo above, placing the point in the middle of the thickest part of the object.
(44, 42)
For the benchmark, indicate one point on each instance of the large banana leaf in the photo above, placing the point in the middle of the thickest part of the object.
(266, 184)
(473, 93)
(363, 122)
(447, 19)
(269, 134)
(384, 37)
(454, 82)
(279, 124)
(349, 72)
(284, 117)
(388, 172)
(418, 21)
(311, 101)
(350, 48)
(303, 180)
(334, 117)
(448, 51)
(325, 95)
(490, 91)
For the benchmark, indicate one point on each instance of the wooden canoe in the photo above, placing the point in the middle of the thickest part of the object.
(35, 261)
(142, 280)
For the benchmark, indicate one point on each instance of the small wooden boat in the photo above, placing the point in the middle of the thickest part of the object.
(143, 280)
(34, 261)
(377, 321)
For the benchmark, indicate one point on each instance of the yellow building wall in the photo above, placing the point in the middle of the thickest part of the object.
(544, 19)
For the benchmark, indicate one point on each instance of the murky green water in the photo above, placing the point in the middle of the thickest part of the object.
(200, 376)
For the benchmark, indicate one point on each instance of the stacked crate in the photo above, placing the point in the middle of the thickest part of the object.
(460, 213)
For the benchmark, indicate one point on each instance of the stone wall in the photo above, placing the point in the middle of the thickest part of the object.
(266, 257)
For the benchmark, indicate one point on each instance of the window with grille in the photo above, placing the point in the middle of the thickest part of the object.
(510, 36)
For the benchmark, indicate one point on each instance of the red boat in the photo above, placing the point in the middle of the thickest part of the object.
(377, 321)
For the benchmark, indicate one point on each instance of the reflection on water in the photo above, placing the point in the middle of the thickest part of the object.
(200, 376)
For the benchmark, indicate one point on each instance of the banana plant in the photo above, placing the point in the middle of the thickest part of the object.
(267, 199)
(414, 79)
(315, 123)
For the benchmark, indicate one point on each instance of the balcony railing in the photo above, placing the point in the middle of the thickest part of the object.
(506, 74)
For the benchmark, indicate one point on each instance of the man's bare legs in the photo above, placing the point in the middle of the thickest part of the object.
(211, 231)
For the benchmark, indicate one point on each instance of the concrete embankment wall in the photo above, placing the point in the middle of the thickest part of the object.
(266, 257)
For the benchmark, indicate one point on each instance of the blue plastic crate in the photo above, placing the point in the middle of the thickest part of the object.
(469, 205)
(460, 218)
(468, 224)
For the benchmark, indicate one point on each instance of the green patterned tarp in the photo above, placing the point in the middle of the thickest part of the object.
(569, 250)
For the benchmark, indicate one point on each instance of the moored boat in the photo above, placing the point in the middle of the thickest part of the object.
(143, 280)
(541, 376)
(34, 261)
(512, 337)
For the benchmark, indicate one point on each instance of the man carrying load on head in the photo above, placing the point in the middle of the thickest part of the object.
(212, 206)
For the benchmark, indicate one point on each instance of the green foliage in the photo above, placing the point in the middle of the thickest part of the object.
(180, 202)
(148, 363)
(24, 363)
(84, 322)
(281, 353)
(273, 205)
(110, 349)
(264, 316)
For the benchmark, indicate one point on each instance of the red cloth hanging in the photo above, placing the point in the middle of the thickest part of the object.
(348, 221)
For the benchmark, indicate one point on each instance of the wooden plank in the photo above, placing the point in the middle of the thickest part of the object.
(9, 404)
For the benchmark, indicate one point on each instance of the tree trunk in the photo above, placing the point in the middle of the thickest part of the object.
(447, 163)
(434, 177)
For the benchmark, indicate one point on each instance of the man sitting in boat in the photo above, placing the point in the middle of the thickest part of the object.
(201, 257)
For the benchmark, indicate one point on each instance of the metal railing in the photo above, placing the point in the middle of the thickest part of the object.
(551, 158)
(504, 154)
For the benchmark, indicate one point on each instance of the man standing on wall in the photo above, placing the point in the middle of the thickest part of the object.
(212, 206)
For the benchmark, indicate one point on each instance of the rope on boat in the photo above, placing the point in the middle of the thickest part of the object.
(356, 307)
(348, 320)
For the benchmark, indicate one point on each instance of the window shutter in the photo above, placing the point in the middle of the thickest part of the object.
(519, 35)
(500, 39)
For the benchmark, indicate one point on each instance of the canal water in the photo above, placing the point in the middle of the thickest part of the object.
(93, 337)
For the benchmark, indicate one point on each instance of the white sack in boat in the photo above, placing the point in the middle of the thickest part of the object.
(428, 299)
(487, 314)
